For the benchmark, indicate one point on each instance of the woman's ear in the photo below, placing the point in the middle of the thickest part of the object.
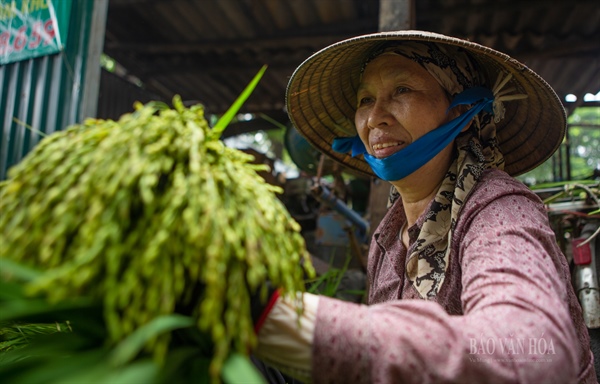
(466, 128)
(459, 110)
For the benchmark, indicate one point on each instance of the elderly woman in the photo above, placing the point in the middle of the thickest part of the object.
(467, 283)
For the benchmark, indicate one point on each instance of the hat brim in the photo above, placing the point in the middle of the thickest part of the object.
(321, 97)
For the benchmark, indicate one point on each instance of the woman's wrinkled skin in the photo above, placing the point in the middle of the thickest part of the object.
(398, 101)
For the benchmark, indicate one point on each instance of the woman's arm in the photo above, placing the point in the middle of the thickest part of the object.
(515, 326)
(285, 339)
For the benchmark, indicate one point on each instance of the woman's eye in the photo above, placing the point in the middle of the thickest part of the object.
(400, 90)
(364, 100)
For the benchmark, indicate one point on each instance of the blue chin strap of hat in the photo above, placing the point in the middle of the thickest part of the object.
(404, 162)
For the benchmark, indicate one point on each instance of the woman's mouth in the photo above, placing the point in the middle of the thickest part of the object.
(386, 149)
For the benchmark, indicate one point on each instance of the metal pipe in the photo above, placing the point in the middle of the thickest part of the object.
(585, 279)
(324, 195)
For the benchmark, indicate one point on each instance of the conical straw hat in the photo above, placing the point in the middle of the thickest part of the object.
(321, 98)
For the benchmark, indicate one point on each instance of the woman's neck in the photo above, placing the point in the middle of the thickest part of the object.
(419, 188)
(416, 201)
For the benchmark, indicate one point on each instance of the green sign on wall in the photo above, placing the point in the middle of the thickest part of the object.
(32, 28)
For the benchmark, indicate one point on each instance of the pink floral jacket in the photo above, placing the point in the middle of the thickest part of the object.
(506, 311)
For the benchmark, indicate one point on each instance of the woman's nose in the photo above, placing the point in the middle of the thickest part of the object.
(380, 115)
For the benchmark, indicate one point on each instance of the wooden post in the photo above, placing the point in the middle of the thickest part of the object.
(89, 97)
(395, 15)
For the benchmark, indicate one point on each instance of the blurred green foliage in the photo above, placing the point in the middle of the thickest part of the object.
(583, 147)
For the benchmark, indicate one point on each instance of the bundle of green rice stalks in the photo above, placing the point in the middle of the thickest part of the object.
(152, 215)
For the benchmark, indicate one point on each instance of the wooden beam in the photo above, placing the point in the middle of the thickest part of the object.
(566, 49)
(312, 38)
(435, 14)
(125, 3)
(89, 97)
(220, 45)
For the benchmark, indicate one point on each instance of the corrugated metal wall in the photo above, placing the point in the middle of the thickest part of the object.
(43, 95)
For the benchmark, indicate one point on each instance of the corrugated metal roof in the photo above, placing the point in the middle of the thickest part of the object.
(208, 50)
(560, 40)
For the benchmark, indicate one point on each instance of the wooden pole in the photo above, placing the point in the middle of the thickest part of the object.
(89, 97)
(395, 15)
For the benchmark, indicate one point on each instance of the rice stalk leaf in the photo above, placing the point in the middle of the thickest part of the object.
(33, 361)
(143, 371)
(128, 349)
(54, 368)
(186, 364)
(10, 290)
(11, 270)
(40, 310)
(224, 121)
(238, 369)
(16, 335)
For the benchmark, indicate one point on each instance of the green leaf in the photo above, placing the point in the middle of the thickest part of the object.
(81, 314)
(143, 371)
(50, 358)
(134, 343)
(562, 184)
(40, 310)
(17, 334)
(11, 290)
(238, 369)
(235, 107)
(10, 269)
(273, 121)
(185, 365)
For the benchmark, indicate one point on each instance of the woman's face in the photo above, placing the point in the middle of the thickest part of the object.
(398, 101)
